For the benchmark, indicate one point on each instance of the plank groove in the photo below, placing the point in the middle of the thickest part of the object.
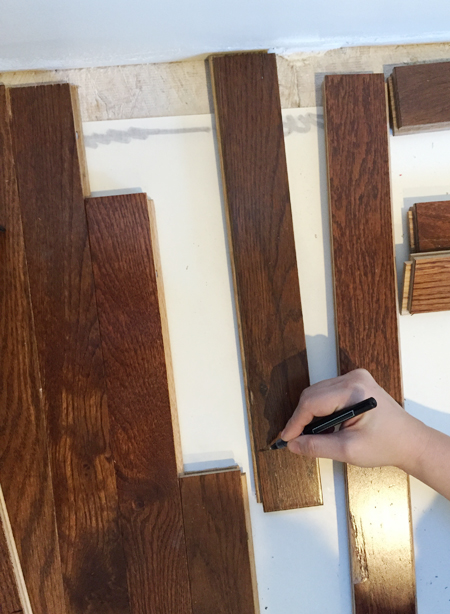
(50, 187)
(217, 541)
(261, 240)
(24, 464)
(142, 438)
(366, 327)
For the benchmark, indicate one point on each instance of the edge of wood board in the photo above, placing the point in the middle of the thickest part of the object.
(411, 230)
(392, 105)
(406, 287)
(190, 474)
(251, 550)
(14, 557)
(80, 140)
(166, 335)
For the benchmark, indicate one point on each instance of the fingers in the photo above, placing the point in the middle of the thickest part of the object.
(332, 446)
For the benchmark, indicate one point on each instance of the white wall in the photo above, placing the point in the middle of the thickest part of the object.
(78, 33)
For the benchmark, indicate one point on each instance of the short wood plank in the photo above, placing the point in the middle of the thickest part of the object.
(217, 542)
(261, 239)
(420, 97)
(432, 226)
(431, 284)
(24, 463)
(65, 316)
(407, 268)
(142, 439)
(367, 330)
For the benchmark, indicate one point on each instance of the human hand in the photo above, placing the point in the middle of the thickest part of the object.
(385, 435)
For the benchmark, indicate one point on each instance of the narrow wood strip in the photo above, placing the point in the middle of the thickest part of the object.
(432, 224)
(431, 285)
(421, 97)
(24, 464)
(68, 342)
(142, 439)
(261, 239)
(411, 231)
(406, 287)
(217, 541)
(365, 304)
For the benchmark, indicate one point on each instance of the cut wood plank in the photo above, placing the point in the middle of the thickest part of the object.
(219, 552)
(420, 97)
(142, 439)
(407, 267)
(430, 287)
(51, 198)
(411, 231)
(24, 464)
(261, 239)
(367, 329)
(432, 226)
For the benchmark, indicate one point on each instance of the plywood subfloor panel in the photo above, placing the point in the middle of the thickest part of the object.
(142, 439)
(431, 226)
(420, 97)
(65, 318)
(261, 239)
(24, 464)
(217, 542)
(430, 288)
(366, 327)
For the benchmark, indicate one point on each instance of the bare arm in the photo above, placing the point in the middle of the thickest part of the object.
(386, 435)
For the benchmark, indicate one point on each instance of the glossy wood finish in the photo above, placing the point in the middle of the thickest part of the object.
(142, 439)
(217, 542)
(430, 285)
(366, 327)
(431, 224)
(45, 139)
(261, 239)
(24, 464)
(420, 97)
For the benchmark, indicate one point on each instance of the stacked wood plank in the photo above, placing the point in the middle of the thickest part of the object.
(89, 450)
(426, 282)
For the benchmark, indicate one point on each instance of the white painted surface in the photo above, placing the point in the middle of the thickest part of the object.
(301, 555)
(54, 34)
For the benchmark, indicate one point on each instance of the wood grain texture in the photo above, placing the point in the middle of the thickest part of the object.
(366, 327)
(432, 226)
(407, 268)
(430, 286)
(68, 343)
(261, 239)
(142, 438)
(217, 543)
(24, 463)
(420, 97)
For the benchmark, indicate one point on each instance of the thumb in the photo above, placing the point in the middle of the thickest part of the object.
(330, 445)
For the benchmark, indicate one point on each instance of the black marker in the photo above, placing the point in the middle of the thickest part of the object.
(319, 425)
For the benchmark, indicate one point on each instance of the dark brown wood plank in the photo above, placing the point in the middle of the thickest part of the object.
(432, 226)
(420, 97)
(261, 239)
(367, 330)
(24, 464)
(430, 288)
(9, 595)
(45, 139)
(217, 541)
(142, 438)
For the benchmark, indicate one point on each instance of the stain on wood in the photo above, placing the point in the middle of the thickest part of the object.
(261, 240)
(50, 188)
(142, 438)
(24, 463)
(430, 286)
(431, 226)
(367, 329)
(219, 552)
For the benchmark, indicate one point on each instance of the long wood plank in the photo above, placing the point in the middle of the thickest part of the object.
(24, 463)
(431, 222)
(430, 287)
(142, 438)
(420, 97)
(367, 330)
(218, 541)
(46, 139)
(261, 239)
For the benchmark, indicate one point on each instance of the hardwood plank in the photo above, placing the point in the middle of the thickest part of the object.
(24, 464)
(407, 269)
(411, 230)
(430, 289)
(367, 329)
(432, 226)
(420, 97)
(261, 239)
(68, 342)
(217, 541)
(142, 439)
